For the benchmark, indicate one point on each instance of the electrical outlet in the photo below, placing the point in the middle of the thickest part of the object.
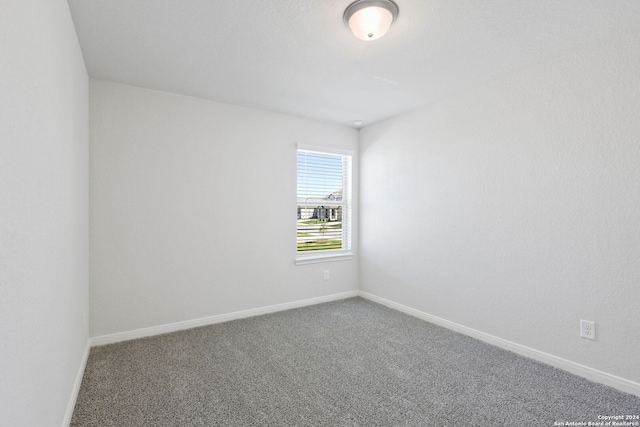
(588, 329)
(326, 275)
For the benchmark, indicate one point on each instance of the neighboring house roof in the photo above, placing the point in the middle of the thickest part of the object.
(336, 195)
(316, 201)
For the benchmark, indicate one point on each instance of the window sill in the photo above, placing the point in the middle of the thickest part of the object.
(316, 258)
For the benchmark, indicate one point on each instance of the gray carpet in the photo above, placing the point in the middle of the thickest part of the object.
(343, 363)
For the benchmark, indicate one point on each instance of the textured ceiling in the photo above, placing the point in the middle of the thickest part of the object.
(297, 57)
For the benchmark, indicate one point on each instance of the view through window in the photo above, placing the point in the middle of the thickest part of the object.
(324, 185)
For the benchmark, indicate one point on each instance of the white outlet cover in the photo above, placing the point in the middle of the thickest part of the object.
(587, 329)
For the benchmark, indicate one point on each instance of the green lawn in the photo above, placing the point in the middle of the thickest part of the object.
(317, 245)
(330, 224)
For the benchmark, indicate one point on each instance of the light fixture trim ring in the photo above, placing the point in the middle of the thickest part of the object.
(357, 5)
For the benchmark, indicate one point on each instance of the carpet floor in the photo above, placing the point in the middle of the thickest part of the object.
(344, 363)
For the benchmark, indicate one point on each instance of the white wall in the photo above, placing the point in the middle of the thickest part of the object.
(514, 209)
(43, 211)
(193, 209)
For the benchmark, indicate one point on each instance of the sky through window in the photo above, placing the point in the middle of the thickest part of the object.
(319, 175)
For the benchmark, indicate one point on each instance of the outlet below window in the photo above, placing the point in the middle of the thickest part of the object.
(587, 329)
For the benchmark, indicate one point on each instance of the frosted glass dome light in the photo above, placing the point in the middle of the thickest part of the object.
(370, 19)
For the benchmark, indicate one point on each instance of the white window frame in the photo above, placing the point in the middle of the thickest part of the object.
(346, 253)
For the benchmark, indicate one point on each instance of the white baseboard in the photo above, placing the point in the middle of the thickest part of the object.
(558, 362)
(204, 321)
(76, 387)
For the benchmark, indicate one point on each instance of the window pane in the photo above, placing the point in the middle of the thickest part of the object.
(319, 175)
(321, 201)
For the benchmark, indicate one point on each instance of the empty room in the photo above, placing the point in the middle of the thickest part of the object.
(465, 248)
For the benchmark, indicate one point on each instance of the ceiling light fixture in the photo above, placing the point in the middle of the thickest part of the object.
(370, 19)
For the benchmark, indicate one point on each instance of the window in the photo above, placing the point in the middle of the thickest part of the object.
(324, 203)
